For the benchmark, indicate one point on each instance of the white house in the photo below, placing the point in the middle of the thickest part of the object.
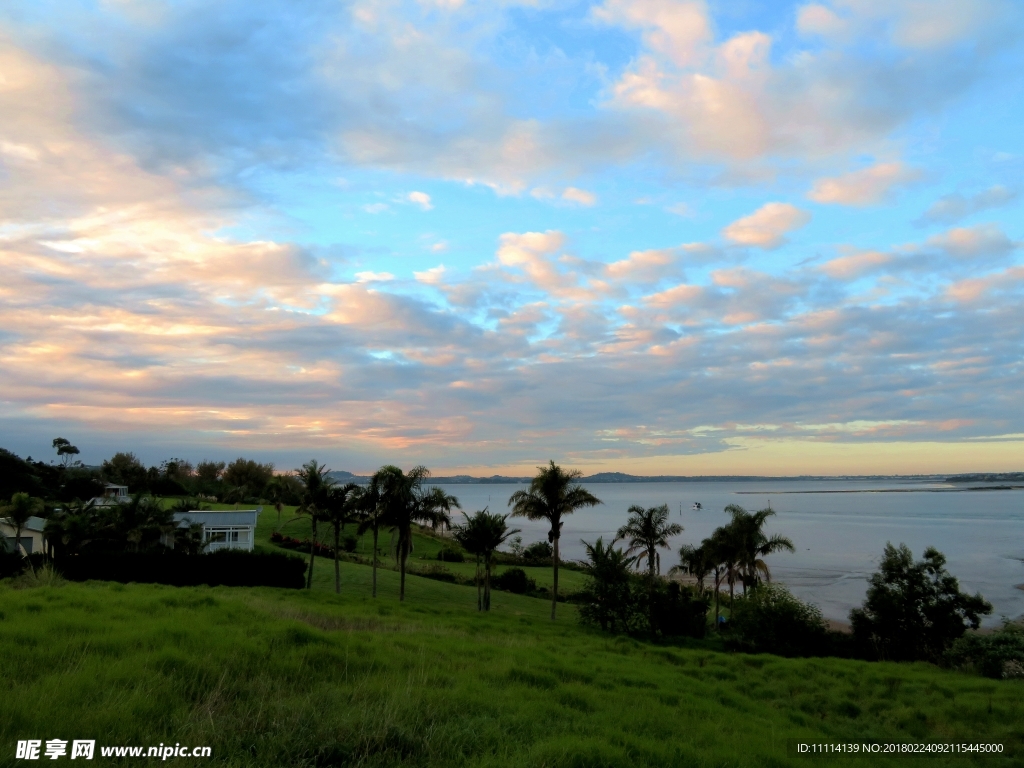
(233, 529)
(112, 494)
(31, 534)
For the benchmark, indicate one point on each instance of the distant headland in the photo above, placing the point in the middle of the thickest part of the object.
(622, 477)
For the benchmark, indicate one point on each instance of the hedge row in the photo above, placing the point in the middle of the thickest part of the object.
(230, 568)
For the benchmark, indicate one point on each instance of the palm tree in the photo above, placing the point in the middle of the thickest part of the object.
(315, 502)
(406, 502)
(370, 511)
(275, 493)
(22, 507)
(754, 545)
(646, 530)
(481, 535)
(342, 502)
(607, 594)
(553, 493)
(694, 562)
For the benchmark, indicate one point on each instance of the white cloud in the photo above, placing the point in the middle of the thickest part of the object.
(680, 209)
(431, 276)
(373, 277)
(767, 226)
(980, 240)
(855, 264)
(579, 196)
(422, 199)
(864, 187)
(376, 207)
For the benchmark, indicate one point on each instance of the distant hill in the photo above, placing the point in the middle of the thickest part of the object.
(622, 477)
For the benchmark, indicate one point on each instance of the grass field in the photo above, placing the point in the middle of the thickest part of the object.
(293, 678)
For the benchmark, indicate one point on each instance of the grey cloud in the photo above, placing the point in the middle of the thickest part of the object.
(952, 208)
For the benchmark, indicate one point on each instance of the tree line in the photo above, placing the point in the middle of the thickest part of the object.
(913, 609)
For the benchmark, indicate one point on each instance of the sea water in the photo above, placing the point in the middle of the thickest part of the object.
(838, 527)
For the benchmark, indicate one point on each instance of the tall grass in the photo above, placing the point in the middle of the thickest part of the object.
(295, 678)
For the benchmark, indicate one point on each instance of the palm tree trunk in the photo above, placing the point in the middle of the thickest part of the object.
(479, 587)
(337, 568)
(554, 563)
(718, 584)
(375, 561)
(312, 558)
(650, 589)
(402, 555)
(487, 583)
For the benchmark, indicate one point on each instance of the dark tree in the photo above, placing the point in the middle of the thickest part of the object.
(552, 494)
(914, 611)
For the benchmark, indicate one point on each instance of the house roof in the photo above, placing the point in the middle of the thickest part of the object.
(230, 517)
(34, 524)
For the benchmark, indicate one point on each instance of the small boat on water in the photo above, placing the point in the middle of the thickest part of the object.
(697, 506)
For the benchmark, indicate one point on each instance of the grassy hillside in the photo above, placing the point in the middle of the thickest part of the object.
(287, 678)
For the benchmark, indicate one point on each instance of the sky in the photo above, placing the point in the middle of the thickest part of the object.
(649, 236)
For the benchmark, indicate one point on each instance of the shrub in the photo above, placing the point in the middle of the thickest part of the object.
(451, 555)
(770, 620)
(349, 542)
(999, 655)
(678, 611)
(232, 568)
(438, 573)
(514, 580)
(11, 562)
(914, 611)
(539, 551)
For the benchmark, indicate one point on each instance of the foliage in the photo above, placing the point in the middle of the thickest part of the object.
(138, 525)
(914, 610)
(208, 474)
(65, 451)
(553, 492)
(124, 468)
(539, 552)
(999, 655)
(11, 562)
(481, 534)
(316, 503)
(403, 501)
(514, 580)
(450, 555)
(645, 532)
(248, 477)
(607, 600)
(771, 620)
(233, 568)
(675, 610)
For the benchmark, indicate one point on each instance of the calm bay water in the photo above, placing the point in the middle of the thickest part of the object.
(838, 536)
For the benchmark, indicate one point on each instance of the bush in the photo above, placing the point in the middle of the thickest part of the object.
(451, 555)
(678, 610)
(349, 543)
(11, 562)
(914, 611)
(514, 580)
(999, 655)
(539, 551)
(770, 620)
(232, 568)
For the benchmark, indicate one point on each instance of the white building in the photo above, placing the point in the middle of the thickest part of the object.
(112, 494)
(31, 535)
(233, 529)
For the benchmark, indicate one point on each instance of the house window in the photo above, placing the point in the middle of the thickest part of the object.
(221, 535)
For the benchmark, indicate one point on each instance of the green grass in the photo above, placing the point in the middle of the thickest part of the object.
(294, 678)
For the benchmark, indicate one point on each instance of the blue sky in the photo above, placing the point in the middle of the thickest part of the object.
(648, 235)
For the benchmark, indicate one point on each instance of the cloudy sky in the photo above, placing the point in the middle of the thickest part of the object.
(655, 236)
